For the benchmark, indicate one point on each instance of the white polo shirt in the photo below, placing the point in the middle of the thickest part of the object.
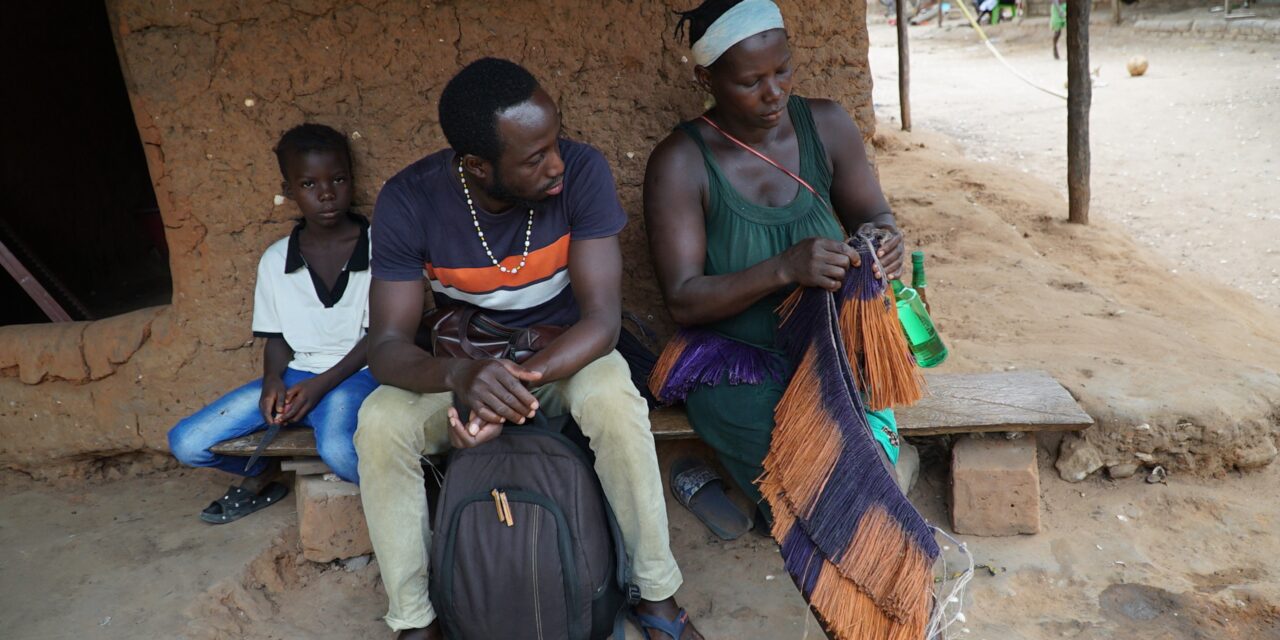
(321, 325)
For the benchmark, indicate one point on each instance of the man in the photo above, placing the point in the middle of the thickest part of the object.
(523, 224)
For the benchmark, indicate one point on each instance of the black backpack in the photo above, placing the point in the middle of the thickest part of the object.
(525, 543)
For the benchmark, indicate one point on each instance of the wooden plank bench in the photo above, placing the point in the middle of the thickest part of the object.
(958, 403)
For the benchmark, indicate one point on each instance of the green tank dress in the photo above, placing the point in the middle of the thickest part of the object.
(737, 420)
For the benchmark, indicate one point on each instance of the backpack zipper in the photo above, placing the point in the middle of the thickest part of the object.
(537, 593)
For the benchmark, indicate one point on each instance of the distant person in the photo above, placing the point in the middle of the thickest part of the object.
(311, 305)
(985, 7)
(1057, 22)
(521, 225)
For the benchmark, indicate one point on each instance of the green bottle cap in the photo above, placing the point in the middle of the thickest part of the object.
(917, 270)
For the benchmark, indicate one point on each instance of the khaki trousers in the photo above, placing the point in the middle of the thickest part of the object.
(396, 427)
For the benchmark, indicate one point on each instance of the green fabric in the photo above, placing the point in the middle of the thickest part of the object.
(737, 420)
(742, 234)
(1058, 16)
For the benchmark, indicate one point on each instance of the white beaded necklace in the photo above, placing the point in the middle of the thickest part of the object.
(528, 232)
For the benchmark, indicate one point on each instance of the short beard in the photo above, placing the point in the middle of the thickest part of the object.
(499, 191)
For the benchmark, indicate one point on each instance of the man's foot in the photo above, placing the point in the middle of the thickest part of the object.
(670, 613)
(432, 632)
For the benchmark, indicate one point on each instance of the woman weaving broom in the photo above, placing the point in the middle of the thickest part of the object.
(732, 235)
(748, 208)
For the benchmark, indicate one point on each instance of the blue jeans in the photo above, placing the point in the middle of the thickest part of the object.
(236, 414)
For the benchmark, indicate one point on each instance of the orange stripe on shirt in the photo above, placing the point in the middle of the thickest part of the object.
(542, 263)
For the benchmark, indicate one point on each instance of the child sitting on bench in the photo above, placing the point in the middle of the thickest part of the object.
(311, 304)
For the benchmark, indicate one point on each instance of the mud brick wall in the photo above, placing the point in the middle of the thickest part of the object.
(213, 84)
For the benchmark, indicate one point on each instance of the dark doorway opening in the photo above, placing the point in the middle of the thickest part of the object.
(77, 207)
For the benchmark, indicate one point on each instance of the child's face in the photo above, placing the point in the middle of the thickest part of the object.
(319, 182)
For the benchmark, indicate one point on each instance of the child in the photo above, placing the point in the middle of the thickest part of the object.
(1057, 22)
(311, 303)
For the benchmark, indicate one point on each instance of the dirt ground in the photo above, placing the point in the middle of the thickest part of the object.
(1101, 308)
(1194, 559)
(1186, 157)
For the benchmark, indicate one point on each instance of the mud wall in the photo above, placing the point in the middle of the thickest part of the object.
(214, 84)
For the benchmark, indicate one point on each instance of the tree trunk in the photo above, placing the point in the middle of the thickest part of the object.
(1115, 11)
(1079, 97)
(904, 65)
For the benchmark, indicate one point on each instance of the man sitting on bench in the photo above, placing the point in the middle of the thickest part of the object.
(523, 225)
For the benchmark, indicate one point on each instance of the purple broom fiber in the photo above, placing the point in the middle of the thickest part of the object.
(802, 560)
(862, 478)
(709, 358)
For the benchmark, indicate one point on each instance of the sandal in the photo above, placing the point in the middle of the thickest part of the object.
(238, 503)
(673, 628)
(698, 487)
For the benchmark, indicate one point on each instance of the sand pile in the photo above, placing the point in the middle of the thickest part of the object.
(1177, 370)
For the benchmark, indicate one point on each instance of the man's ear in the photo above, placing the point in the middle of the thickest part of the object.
(477, 166)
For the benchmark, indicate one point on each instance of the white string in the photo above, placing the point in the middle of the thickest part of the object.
(999, 57)
(947, 608)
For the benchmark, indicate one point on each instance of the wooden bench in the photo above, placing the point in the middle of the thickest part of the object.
(958, 403)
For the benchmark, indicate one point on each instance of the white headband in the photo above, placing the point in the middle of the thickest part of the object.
(744, 20)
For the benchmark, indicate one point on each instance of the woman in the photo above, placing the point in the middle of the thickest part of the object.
(731, 234)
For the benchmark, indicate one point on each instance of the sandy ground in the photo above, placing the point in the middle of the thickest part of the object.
(1139, 345)
(1194, 559)
(1186, 157)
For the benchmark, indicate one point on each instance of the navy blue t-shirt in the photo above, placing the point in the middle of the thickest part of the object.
(422, 226)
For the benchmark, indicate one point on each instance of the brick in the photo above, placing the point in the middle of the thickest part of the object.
(305, 466)
(995, 486)
(330, 519)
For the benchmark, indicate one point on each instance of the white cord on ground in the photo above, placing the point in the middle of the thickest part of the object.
(947, 608)
(973, 21)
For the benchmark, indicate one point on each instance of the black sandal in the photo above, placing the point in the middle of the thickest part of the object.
(238, 503)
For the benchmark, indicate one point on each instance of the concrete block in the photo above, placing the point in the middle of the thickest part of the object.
(305, 466)
(330, 520)
(995, 486)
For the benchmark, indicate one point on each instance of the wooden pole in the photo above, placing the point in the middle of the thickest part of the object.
(38, 293)
(1079, 97)
(904, 64)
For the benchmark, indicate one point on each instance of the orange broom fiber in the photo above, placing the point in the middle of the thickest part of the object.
(859, 552)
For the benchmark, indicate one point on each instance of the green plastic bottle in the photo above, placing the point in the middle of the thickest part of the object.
(926, 344)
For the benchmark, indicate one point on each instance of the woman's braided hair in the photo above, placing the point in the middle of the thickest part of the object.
(701, 17)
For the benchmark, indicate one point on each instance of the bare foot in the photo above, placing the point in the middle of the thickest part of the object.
(432, 632)
(257, 483)
(667, 610)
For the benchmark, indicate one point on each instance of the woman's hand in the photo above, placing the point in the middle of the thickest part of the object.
(891, 251)
(817, 262)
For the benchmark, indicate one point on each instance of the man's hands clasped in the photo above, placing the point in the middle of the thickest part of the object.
(496, 392)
